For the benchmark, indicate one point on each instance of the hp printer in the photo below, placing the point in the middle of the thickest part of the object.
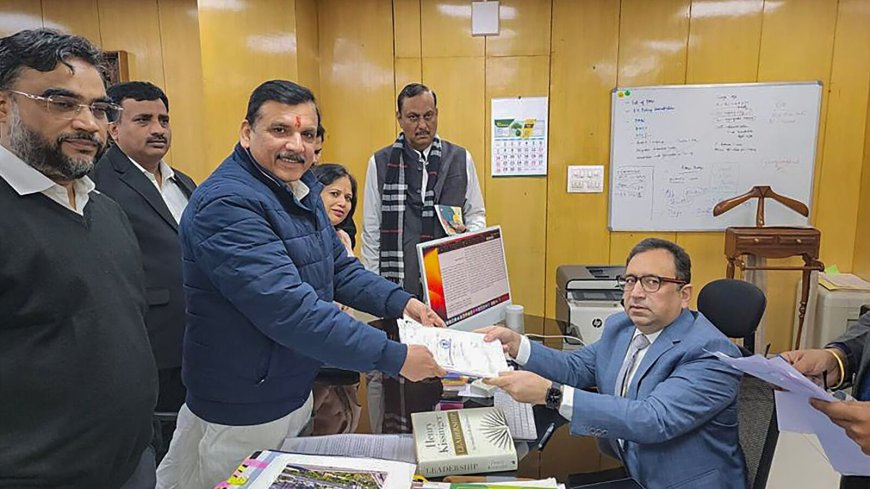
(585, 296)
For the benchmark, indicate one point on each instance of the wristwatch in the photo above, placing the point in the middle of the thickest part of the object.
(554, 396)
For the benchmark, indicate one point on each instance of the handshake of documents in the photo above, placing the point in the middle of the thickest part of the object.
(794, 412)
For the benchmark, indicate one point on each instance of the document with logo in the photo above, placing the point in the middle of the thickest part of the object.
(450, 217)
(456, 351)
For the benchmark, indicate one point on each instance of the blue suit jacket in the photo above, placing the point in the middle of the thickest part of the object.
(679, 417)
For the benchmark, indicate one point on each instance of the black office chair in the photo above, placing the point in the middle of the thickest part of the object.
(733, 306)
(758, 428)
(736, 308)
(164, 425)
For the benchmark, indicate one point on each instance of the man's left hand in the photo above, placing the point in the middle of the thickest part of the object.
(522, 385)
(852, 416)
(423, 314)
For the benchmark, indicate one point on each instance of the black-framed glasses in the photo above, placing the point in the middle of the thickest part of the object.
(69, 107)
(649, 283)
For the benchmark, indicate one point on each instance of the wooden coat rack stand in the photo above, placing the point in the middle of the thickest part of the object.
(772, 242)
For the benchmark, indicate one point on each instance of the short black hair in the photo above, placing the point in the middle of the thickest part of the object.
(137, 90)
(321, 131)
(412, 90)
(42, 50)
(282, 91)
(682, 262)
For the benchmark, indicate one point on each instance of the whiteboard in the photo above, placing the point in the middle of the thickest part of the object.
(676, 151)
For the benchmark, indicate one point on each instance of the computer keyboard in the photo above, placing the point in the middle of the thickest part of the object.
(520, 417)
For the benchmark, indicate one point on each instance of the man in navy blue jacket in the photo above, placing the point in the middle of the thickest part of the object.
(262, 266)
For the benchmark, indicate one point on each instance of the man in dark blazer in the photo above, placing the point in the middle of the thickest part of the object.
(846, 361)
(133, 173)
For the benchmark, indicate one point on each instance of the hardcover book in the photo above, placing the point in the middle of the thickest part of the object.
(463, 441)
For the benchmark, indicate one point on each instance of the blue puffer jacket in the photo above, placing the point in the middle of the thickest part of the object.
(261, 271)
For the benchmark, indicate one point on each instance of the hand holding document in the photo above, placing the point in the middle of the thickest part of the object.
(461, 352)
(794, 412)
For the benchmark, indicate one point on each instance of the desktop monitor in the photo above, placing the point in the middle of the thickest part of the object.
(465, 279)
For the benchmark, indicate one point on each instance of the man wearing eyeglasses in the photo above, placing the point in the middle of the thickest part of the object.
(77, 380)
(665, 406)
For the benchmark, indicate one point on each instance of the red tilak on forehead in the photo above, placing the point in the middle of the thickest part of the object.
(298, 122)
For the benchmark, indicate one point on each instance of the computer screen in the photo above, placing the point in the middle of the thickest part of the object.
(465, 278)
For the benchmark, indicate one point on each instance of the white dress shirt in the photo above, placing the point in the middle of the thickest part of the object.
(566, 408)
(473, 212)
(27, 180)
(171, 193)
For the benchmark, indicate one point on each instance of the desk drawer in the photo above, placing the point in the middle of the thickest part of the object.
(800, 241)
(752, 241)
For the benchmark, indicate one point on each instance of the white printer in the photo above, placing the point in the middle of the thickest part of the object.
(585, 296)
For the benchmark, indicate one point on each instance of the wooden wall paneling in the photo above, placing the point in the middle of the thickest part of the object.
(356, 82)
(19, 15)
(652, 51)
(861, 262)
(837, 204)
(582, 75)
(243, 45)
(797, 40)
(519, 204)
(446, 29)
(461, 104)
(182, 62)
(134, 27)
(80, 17)
(524, 29)
(307, 46)
(406, 26)
(724, 39)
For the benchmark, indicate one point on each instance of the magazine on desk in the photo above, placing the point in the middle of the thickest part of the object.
(463, 441)
(278, 470)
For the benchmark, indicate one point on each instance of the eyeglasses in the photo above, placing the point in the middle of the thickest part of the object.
(649, 283)
(69, 107)
(415, 118)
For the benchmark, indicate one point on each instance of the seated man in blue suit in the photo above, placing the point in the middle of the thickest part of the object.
(665, 406)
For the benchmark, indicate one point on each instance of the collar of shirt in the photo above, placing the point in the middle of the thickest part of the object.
(651, 337)
(27, 180)
(166, 171)
(426, 151)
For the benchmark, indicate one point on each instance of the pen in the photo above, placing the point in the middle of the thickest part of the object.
(546, 436)
(825, 379)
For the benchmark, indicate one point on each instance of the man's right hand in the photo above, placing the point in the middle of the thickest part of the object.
(420, 364)
(815, 362)
(510, 340)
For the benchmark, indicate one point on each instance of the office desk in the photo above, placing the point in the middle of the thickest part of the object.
(564, 454)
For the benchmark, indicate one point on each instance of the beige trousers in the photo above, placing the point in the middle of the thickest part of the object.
(203, 454)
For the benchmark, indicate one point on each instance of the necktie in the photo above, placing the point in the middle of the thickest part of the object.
(638, 343)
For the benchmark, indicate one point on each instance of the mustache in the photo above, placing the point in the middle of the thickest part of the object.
(156, 139)
(297, 158)
(81, 136)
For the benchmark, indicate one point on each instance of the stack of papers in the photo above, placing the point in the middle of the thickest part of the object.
(794, 412)
(843, 281)
(460, 352)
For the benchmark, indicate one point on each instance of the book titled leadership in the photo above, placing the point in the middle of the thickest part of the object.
(463, 441)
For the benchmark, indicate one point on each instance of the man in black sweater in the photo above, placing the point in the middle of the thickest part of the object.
(77, 380)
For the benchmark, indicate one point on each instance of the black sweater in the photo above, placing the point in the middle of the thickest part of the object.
(77, 380)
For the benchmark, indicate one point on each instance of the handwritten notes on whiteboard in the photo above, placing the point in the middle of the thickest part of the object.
(678, 150)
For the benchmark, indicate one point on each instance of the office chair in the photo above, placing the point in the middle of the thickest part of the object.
(733, 306)
(164, 424)
(759, 431)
